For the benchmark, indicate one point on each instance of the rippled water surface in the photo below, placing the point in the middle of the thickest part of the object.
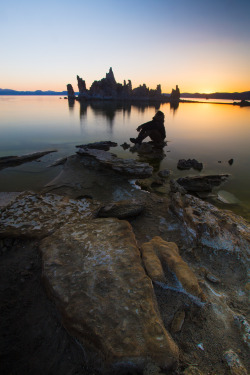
(210, 133)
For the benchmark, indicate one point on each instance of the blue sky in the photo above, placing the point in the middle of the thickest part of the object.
(203, 46)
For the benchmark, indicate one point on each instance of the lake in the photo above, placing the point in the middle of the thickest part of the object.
(211, 133)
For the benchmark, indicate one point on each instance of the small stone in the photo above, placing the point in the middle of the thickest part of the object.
(230, 162)
(212, 278)
(178, 321)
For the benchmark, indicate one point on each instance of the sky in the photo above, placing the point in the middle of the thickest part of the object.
(203, 46)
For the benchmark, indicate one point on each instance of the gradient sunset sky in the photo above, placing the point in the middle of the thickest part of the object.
(203, 46)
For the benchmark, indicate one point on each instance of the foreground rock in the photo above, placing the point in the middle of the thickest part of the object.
(39, 215)
(158, 253)
(13, 161)
(94, 272)
(128, 167)
(207, 225)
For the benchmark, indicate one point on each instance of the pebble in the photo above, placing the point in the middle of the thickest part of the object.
(212, 278)
(178, 321)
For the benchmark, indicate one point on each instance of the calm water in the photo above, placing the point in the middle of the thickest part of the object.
(207, 132)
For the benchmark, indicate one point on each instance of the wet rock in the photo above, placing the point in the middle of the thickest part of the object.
(38, 215)
(127, 167)
(103, 145)
(178, 321)
(149, 150)
(13, 161)
(207, 225)
(189, 163)
(60, 161)
(234, 363)
(122, 209)
(94, 273)
(168, 254)
(201, 183)
(125, 146)
(164, 173)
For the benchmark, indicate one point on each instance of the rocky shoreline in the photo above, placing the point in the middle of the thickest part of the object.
(101, 273)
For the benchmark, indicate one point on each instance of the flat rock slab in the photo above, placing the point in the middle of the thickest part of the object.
(93, 271)
(207, 225)
(39, 215)
(128, 167)
(84, 176)
(201, 183)
(103, 145)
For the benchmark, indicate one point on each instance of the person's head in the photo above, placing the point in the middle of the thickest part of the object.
(159, 116)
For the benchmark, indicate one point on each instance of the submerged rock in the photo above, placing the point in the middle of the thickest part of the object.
(207, 225)
(39, 215)
(13, 161)
(94, 273)
(128, 167)
(226, 197)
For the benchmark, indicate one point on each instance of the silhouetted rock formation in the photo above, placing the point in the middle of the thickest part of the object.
(83, 92)
(71, 93)
(107, 88)
(175, 95)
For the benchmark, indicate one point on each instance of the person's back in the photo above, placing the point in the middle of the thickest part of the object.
(154, 129)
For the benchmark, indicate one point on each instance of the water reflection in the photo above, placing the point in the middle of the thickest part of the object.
(71, 103)
(174, 106)
(203, 131)
(109, 109)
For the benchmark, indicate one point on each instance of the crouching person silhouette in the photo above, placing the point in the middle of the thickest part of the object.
(154, 129)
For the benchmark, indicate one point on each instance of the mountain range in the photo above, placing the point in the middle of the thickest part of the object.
(217, 95)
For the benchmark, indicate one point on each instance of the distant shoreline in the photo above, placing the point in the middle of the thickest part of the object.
(218, 96)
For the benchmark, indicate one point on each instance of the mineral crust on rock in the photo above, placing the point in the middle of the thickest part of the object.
(93, 271)
(38, 215)
(207, 225)
(128, 167)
